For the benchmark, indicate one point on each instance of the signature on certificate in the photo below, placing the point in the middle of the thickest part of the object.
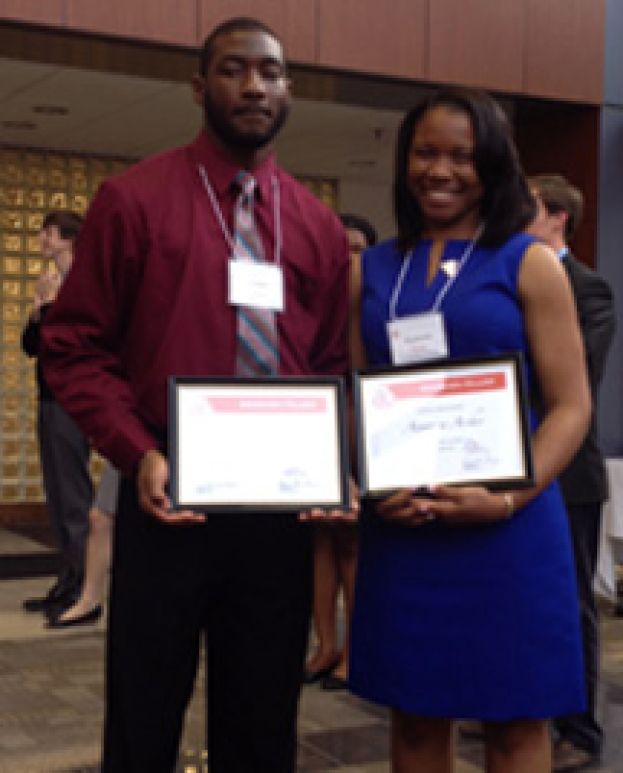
(294, 480)
(453, 430)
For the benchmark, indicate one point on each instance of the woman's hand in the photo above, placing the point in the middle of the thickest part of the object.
(451, 504)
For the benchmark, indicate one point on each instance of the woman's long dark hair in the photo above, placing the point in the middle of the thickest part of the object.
(507, 204)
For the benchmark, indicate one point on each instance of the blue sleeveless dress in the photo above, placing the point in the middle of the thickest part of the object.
(473, 621)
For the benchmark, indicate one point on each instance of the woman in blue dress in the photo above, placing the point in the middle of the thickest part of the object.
(465, 604)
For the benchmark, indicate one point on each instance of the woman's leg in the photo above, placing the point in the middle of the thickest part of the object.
(98, 553)
(346, 545)
(325, 596)
(421, 744)
(522, 746)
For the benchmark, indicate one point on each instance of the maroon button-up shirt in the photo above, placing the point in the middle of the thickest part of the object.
(146, 297)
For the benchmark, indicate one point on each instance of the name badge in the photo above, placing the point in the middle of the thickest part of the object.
(417, 338)
(259, 285)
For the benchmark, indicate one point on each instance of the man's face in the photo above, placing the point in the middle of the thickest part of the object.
(245, 92)
(54, 247)
(549, 228)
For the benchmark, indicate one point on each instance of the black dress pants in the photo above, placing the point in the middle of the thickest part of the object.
(583, 730)
(246, 582)
(68, 489)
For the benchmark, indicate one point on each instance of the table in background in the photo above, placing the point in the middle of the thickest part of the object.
(611, 544)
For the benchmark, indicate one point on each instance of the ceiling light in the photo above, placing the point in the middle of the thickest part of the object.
(50, 109)
(362, 163)
(19, 125)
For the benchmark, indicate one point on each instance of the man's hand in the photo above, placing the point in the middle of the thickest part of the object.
(336, 516)
(46, 288)
(152, 478)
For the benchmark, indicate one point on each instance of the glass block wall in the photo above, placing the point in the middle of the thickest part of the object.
(326, 189)
(32, 183)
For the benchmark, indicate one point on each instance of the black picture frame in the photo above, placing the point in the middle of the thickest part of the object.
(334, 442)
(512, 363)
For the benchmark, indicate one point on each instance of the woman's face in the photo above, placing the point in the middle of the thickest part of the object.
(441, 173)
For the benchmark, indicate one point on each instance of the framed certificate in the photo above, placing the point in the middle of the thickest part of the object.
(273, 444)
(443, 422)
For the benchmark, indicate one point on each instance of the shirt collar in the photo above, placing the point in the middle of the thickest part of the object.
(221, 169)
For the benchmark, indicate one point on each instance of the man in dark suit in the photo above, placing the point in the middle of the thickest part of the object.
(584, 483)
(64, 450)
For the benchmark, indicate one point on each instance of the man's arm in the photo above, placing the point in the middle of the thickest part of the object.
(31, 336)
(595, 306)
(330, 354)
(83, 333)
(46, 290)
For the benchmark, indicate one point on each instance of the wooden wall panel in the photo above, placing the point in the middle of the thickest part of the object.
(549, 137)
(294, 21)
(549, 48)
(564, 51)
(24, 513)
(371, 36)
(169, 21)
(49, 12)
(477, 43)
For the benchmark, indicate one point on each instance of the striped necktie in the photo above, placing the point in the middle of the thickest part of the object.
(257, 346)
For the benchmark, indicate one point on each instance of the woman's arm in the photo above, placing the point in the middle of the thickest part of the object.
(557, 351)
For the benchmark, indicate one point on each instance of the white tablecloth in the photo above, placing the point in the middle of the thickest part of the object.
(611, 544)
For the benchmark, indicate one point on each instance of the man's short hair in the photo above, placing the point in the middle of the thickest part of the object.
(67, 222)
(558, 195)
(237, 24)
(358, 223)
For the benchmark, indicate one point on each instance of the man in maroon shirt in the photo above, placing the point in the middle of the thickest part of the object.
(147, 298)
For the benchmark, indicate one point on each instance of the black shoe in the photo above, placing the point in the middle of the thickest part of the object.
(56, 608)
(332, 683)
(568, 758)
(92, 616)
(39, 604)
(309, 677)
(67, 584)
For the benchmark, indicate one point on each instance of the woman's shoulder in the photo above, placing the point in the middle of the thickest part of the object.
(509, 255)
(382, 251)
(516, 244)
(387, 246)
(381, 259)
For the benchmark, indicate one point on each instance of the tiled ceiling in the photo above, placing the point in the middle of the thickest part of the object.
(46, 106)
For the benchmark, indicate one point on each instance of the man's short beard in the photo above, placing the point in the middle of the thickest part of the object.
(232, 138)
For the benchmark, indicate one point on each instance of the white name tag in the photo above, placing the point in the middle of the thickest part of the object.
(259, 285)
(417, 338)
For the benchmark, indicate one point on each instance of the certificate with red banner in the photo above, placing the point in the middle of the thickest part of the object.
(460, 422)
(273, 444)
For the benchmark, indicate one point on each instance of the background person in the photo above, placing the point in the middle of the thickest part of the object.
(465, 603)
(148, 298)
(335, 548)
(583, 482)
(88, 607)
(63, 449)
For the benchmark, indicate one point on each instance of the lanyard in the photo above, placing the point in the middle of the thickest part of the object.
(218, 213)
(406, 263)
